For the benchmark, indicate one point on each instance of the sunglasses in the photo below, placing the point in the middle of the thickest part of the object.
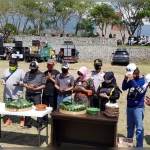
(80, 74)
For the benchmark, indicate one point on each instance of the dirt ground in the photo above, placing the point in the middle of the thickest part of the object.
(15, 136)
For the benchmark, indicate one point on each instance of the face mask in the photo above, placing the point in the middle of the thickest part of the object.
(64, 71)
(12, 68)
(97, 67)
(33, 70)
(49, 67)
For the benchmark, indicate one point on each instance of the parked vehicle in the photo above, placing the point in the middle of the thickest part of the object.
(68, 53)
(120, 56)
(39, 52)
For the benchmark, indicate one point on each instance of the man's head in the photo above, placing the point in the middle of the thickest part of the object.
(34, 66)
(64, 68)
(97, 64)
(133, 70)
(13, 64)
(50, 64)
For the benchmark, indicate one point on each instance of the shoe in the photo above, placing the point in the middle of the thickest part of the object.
(21, 122)
(26, 127)
(7, 123)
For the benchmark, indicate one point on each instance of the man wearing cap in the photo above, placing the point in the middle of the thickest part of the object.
(34, 82)
(64, 84)
(135, 103)
(97, 76)
(49, 96)
(12, 79)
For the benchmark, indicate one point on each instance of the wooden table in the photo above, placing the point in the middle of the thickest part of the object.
(90, 130)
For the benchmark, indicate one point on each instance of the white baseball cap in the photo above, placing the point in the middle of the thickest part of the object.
(130, 68)
(147, 80)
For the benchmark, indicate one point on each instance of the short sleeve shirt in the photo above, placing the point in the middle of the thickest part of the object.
(64, 82)
(98, 78)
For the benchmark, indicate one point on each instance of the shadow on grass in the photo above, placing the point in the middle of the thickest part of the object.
(22, 138)
(147, 139)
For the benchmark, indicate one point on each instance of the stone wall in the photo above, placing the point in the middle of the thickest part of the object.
(89, 48)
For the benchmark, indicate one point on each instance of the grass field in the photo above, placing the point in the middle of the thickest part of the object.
(15, 136)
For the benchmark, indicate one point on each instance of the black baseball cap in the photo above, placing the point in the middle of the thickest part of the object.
(33, 65)
(98, 62)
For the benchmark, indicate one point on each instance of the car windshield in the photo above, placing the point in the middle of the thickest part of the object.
(121, 53)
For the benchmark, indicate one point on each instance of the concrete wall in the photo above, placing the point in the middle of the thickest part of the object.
(89, 48)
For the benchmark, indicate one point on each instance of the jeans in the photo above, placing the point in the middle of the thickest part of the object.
(135, 118)
(61, 99)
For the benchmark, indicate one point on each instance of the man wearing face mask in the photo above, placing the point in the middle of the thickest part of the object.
(97, 76)
(12, 79)
(133, 81)
(64, 84)
(49, 96)
(34, 82)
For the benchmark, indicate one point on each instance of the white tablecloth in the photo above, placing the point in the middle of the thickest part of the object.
(33, 112)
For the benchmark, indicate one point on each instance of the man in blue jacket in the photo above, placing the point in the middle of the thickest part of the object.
(135, 103)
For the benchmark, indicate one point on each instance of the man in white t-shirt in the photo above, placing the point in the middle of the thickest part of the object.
(97, 76)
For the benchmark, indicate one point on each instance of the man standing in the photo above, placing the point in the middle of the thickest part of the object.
(64, 84)
(135, 103)
(97, 76)
(49, 96)
(12, 79)
(34, 82)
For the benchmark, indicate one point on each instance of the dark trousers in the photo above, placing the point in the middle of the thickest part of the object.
(49, 101)
(36, 99)
(94, 102)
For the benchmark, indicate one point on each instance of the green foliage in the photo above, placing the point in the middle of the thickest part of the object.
(103, 15)
(9, 29)
(33, 32)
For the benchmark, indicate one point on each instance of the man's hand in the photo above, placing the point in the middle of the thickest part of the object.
(32, 87)
(49, 75)
(16, 84)
(125, 77)
(130, 76)
(62, 90)
(3, 82)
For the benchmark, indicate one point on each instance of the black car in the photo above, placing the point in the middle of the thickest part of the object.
(120, 56)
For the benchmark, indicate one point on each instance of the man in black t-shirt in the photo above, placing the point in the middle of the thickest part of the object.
(49, 96)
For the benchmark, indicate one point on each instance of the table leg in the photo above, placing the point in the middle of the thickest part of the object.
(47, 128)
(39, 132)
(0, 125)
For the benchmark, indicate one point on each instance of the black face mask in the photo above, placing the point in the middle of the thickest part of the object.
(34, 70)
(97, 67)
(64, 71)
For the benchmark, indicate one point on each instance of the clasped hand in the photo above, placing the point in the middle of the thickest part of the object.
(104, 95)
(32, 87)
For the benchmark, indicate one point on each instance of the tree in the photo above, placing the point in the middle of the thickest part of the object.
(131, 14)
(9, 29)
(103, 15)
(82, 11)
(86, 27)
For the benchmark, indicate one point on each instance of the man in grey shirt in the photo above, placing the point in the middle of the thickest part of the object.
(64, 83)
(34, 82)
(12, 79)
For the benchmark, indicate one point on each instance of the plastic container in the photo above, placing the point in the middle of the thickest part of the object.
(93, 111)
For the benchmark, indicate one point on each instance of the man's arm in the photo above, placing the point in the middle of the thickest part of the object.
(125, 83)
